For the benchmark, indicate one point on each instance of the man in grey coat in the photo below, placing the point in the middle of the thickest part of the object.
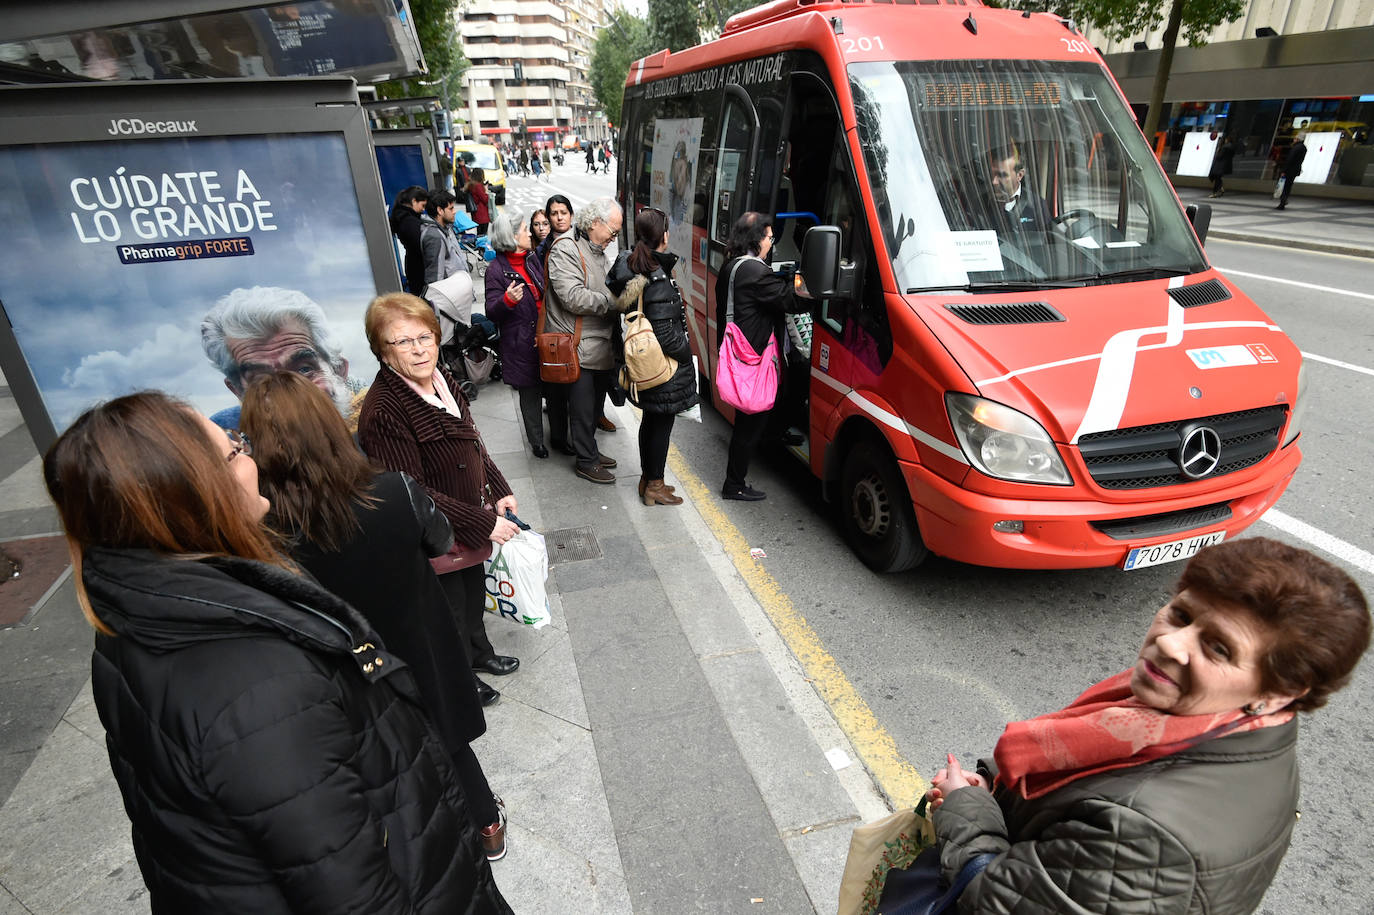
(577, 267)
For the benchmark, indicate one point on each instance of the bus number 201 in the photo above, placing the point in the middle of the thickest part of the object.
(863, 43)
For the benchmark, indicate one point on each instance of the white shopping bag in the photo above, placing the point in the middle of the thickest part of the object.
(516, 573)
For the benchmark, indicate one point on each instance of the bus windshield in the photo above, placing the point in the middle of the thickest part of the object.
(481, 157)
(1014, 174)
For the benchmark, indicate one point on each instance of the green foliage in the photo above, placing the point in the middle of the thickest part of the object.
(715, 13)
(438, 34)
(624, 40)
(1122, 18)
(673, 24)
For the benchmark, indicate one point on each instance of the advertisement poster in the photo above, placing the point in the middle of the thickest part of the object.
(672, 183)
(188, 265)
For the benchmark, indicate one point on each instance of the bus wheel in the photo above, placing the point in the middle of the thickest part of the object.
(876, 513)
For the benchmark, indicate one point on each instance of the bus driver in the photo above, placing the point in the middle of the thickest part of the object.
(1018, 206)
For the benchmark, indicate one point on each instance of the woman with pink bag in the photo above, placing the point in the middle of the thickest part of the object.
(758, 301)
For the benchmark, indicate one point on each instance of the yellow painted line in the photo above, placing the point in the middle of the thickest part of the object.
(897, 778)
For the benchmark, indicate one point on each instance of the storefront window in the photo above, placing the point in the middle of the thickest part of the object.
(1337, 130)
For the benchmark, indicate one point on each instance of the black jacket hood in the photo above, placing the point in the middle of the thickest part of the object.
(166, 604)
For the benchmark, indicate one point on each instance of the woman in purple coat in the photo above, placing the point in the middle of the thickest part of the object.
(515, 293)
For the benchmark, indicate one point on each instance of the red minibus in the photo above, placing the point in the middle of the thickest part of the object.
(1018, 354)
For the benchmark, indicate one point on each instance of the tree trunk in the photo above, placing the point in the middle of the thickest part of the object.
(1166, 62)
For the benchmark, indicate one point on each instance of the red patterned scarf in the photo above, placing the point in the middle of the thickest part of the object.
(1105, 728)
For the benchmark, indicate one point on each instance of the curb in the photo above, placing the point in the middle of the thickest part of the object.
(1306, 245)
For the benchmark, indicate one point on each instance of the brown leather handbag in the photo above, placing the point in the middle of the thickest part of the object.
(557, 352)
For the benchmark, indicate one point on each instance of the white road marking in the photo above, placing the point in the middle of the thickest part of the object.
(1338, 363)
(1278, 279)
(1327, 543)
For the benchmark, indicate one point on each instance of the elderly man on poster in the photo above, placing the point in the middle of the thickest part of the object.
(264, 329)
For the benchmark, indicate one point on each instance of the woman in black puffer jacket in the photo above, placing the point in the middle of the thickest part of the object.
(273, 756)
(647, 270)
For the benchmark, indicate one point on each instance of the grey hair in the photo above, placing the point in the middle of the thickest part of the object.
(501, 232)
(258, 313)
(599, 210)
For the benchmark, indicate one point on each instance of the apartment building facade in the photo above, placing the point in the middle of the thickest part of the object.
(529, 75)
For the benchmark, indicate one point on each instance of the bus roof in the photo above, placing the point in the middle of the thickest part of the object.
(858, 30)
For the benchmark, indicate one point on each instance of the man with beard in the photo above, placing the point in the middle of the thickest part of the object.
(265, 329)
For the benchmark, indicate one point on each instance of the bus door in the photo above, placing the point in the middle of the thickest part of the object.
(849, 340)
(737, 145)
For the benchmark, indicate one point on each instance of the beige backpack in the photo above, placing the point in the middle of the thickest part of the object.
(645, 364)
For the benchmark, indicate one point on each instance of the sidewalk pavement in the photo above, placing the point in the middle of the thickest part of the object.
(1309, 223)
(658, 751)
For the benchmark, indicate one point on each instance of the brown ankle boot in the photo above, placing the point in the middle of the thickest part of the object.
(655, 493)
(644, 481)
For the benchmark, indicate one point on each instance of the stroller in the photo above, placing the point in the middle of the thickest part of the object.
(466, 340)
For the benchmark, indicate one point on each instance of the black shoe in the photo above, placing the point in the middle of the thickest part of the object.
(743, 494)
(564, 448)
(486, 694)
(498, 664)
(540, 451)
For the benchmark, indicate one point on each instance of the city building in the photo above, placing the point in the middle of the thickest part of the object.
(529, 74)
(1286, 67)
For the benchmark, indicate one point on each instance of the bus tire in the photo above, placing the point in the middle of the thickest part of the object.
(876, 514)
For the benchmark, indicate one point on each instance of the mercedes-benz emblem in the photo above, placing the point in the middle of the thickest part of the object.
(1200, 452)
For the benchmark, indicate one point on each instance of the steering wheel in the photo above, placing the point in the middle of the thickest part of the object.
(1068, 216)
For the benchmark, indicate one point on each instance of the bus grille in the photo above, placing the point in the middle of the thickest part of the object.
(1146, 456)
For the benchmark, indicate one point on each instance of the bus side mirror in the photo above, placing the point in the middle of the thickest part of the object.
(820, 261)
(1200, 215)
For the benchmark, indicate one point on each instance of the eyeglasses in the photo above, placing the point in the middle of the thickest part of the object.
(407, 342)
(240, 443)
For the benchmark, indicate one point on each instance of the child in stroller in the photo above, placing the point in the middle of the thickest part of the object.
(467, 341)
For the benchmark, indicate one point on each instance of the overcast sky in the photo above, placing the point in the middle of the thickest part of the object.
(638, 7)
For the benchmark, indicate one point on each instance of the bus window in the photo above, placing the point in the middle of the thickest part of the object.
(1013, 173)
(732, 166)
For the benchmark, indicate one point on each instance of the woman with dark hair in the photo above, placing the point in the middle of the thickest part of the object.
(540, 228)
(368, 537)
(270, 749)
(477, 190)
(416, 420)
(642, 279)
(762, 300)
(560, 213)
(407, 227)
(1172, 786)
(515, 293)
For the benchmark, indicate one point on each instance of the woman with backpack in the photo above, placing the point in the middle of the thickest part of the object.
(642, 280)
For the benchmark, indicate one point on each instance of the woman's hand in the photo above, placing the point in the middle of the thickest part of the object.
(504, 530)
(950, 779)
(515, 292)
(507, 504)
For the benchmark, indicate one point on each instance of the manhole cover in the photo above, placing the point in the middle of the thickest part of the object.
(572, 544)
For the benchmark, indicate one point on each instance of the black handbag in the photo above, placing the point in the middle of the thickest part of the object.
(921, 888)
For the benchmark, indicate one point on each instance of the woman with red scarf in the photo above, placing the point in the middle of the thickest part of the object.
(515, 293)
(1172, 786)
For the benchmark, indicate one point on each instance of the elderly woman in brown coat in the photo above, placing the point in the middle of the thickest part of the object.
(417, 421)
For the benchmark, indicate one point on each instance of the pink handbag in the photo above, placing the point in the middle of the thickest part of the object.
(746, 380)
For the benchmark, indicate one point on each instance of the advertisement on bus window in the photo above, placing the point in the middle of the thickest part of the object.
(673, 179)
(185, 264)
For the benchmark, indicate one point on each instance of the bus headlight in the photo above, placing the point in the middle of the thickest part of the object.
(1005, 443)
(1298, 413)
